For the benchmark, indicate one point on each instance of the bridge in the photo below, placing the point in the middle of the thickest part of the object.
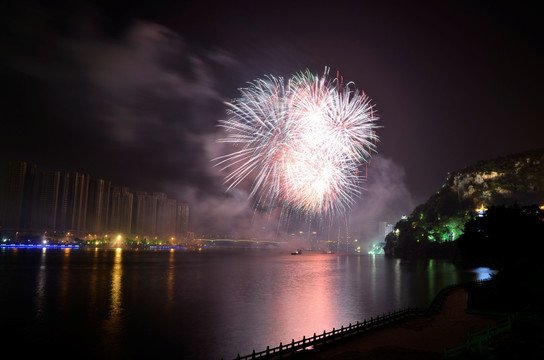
(245, 243)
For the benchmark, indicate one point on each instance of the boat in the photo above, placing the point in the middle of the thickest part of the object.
(298, 252)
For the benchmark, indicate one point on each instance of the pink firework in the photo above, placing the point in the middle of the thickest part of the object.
(303, 143)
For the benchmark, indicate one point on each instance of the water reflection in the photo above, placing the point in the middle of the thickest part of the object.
(93, 281)
(432, 278)
(65, 280)
(372, 272)
(483, 273)
(307, 297)
(209, 305)
(40, 284)
(170, 276)
(398, 283)
(113, 325)
(116, 277)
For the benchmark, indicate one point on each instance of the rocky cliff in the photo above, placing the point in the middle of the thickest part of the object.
(516, 178)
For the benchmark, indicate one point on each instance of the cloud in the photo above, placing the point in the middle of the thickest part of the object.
(134, 105)
(147, 84)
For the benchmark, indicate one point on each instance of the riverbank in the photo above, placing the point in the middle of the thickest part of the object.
(420, 338)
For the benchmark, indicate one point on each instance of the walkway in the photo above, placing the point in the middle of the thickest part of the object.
(418, 338)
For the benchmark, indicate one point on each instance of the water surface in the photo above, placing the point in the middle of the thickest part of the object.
(126, 304)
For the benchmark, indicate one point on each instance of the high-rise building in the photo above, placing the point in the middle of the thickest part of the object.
(182, 220)
(145, 213)
(46, 205)
(120, 218)
(171, 215)
(19, 192)
(73, 197)
(98, 205)
(385, 228)
(166, 217)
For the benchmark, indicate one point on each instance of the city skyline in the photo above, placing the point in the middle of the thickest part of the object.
(60, 202)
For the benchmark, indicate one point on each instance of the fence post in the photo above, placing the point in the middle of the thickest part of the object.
(324, 337)
(253, 354)
(238, 357)
(267, 349)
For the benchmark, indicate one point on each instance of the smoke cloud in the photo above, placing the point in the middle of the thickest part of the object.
(386, 199)
(140, 107)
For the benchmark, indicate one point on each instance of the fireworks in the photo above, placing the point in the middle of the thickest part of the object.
(303, 142)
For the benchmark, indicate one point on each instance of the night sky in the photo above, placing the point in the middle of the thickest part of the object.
(132, 91)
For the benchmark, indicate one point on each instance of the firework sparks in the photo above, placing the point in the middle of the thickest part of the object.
(304, 142)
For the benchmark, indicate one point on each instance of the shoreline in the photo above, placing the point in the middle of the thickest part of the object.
(424, 336)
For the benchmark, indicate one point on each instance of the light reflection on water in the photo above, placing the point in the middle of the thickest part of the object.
(138, 304)
(484, 273)
(40, 284)
(116, 276)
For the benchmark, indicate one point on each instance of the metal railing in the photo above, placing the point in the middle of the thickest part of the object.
(479, 342)
(285, 350)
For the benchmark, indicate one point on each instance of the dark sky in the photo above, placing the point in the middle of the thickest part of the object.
(131, 91)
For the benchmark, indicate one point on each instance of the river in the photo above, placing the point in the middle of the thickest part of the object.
(158, 304)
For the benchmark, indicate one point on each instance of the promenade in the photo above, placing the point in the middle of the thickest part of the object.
(419, 338)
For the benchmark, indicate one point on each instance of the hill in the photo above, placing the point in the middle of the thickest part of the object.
(431, 229)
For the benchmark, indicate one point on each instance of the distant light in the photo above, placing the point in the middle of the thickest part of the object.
(481, 210)
(484, 273)
(38, 246)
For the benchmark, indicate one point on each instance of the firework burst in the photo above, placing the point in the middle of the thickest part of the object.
(303, 142)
